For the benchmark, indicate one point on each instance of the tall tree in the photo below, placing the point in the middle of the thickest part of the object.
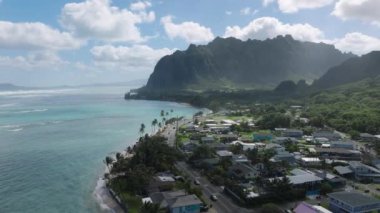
(154, 124)
(108, 161)
(142, 129)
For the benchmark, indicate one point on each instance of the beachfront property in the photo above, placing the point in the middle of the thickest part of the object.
(176, 201)
(352, 202)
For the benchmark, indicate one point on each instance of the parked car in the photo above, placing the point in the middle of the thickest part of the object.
(196, 182)
(213, 197)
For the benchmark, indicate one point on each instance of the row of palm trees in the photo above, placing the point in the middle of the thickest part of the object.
(109, 160)
(155, 123)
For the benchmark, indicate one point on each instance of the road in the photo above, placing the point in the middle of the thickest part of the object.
(170, 131)
(224, 204)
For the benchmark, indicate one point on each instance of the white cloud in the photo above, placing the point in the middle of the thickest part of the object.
(365, 10)
(292, 6)
(135, 58)
(98, 19)
(267, 2)
(248, 11)
(191, 32)
(356, 43)
(228, 13)
(35, 60)
(34, 35)
(140, 5)
(269, 27)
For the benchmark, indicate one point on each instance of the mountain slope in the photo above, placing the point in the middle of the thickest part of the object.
(232, 63)
(352, 70)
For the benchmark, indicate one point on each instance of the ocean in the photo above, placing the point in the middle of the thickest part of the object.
(53, 142)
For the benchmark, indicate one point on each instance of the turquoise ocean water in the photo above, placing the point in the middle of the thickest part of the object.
(53, 142)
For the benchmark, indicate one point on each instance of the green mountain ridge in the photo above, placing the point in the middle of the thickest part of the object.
(234, 64)
(352, 70)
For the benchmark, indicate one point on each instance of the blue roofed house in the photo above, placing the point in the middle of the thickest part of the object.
(352, 202)
(177, 201)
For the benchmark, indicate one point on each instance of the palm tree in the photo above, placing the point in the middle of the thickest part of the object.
(159, 125)
(162, 113)
(108, 161)
(163, 120)
(129, 149)
(167, 113)
(171, 110)
(118, 156)
(154, 123)
(142, 129)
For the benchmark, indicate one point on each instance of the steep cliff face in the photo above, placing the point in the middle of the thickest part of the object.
(232, 63)
(352, 70)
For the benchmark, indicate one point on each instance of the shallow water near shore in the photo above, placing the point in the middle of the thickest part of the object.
(53, 142)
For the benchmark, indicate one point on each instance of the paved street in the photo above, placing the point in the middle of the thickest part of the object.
(224, 203)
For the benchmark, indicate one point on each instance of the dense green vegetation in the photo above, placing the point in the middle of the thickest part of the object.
(350, 108)
(230, 64)
(130, 176)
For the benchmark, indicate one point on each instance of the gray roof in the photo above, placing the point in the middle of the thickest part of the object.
(354, 199)
(305, 178)
(187, 200)
(343, 170)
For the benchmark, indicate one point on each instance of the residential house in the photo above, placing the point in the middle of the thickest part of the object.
(304, 207)
(243, 171)
(343, 144)
(338, 153)
(333, 180)
(365, 137)
(344, 171)
(330, 135)
(293, 133)
(304, 178)
(310, 161)
(207, 140)
(224, 154)
(161, 182)
(247, 146)
(364, 172)
(352, 202)
(283, 140)
(239, 159)
(262, 137)
(177, 201)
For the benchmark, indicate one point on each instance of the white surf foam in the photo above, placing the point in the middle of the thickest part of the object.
(15, 130)
(101, 195)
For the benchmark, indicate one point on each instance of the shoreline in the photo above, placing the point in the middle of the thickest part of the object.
(102, 195)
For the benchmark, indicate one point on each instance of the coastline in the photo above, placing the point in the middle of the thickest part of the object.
(102, 194)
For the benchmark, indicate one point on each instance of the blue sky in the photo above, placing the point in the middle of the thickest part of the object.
(71, 42)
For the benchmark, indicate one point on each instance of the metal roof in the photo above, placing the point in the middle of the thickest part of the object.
(354, 199)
